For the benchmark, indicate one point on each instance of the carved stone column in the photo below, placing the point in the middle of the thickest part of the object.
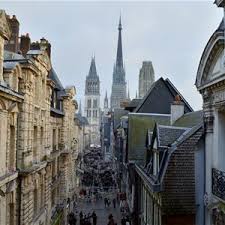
(4, 35)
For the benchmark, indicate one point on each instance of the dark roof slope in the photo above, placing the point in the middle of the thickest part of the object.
(168, 134)
(159, 98)
(53, 76)
(133, 104)
(190, 119)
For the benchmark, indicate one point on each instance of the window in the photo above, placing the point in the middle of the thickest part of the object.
(59, 136)
(42, 137)
(89, 103)
(35, 201)
(35, 142)
(12, 149)
(95, 103)
(54, 139)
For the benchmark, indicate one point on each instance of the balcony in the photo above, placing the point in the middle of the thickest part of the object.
(218, 183)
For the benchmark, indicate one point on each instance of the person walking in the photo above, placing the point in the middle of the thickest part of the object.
(123, 221)
(94, 218)
(114, 203)
(81, 217)
(105, 202)
(111, 220)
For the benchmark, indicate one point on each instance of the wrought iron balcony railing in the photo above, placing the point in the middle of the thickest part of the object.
(218, 183)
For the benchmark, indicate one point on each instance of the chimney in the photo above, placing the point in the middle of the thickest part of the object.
(24, 44)
(45, 45)
(177, 109)
(13, 43)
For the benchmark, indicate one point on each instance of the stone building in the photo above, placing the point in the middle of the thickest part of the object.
(210, 82)
(146, 78)
(92, 102)
(119, 85)
(38, 131)
(9, 104)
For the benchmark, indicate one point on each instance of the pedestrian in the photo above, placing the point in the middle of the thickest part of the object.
(114, 203)
(111, 220)
(123, 221)
(94, 217)
(105, 201)
(81, 217)
(72, 219)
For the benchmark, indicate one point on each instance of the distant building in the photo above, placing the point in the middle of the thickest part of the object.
(119, 84)
(106, 104)
(146, 78)
(92, 102)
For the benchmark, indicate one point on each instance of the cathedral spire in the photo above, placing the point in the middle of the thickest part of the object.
(92, 70)
(106, 105)
(128, 92)
(119, 57)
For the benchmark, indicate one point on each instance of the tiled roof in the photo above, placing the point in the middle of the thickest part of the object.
(168, 134)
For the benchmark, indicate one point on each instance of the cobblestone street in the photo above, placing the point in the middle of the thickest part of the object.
(101, 211)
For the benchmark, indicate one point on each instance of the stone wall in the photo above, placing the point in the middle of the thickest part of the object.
(38, 149)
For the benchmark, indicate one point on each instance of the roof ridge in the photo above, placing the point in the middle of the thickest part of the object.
(174, 127)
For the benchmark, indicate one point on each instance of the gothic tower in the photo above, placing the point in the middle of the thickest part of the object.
(92, 102)
(146, 78)
(119, 93)
(106, 104)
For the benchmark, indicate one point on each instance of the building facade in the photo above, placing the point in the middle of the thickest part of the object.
(92, 102)
(119, 85)
(37, 133)
(146, 78)
(210, 82)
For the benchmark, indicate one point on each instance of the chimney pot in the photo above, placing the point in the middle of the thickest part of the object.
(177, 109)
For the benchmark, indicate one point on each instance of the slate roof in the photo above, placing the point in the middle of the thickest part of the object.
(12, 56)
(81, 119)
(53, 76)
(133, 104)
(10, 65)
(139, 124)
(190, 119)
(34, 52)
(168, 134)
(159, 97)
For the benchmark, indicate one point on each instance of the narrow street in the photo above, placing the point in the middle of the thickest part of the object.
(101, 211)
(98, 184)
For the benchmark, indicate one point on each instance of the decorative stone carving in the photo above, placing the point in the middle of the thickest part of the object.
(4, 27)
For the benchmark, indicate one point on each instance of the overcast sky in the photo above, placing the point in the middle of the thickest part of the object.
(170, 34)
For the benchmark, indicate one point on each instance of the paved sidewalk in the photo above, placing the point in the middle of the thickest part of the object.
(100, 210)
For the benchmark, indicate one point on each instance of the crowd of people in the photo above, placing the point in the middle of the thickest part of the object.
(98, 186)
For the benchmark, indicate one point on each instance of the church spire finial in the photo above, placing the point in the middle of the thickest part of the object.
(119, 57)
(92, 70)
